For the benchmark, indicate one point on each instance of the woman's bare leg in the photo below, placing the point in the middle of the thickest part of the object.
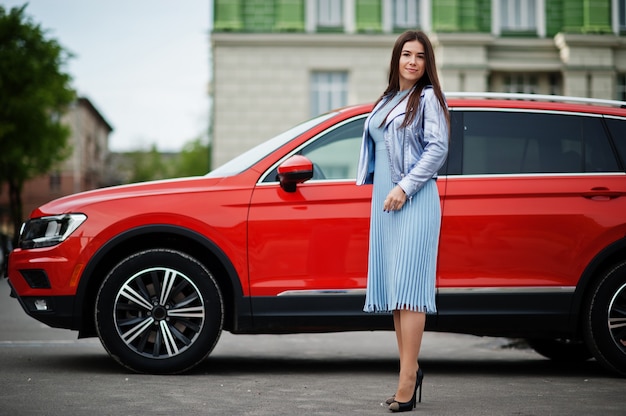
(398, 328)
(409, 332)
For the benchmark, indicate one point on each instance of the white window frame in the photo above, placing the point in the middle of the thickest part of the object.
(329, 13)
(329, 90)
(347, 21)
(539, 17)
(406, 14)
(518, 15)
(424, 13)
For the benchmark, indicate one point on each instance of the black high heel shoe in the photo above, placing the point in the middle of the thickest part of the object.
(420, 376)
(396, 406)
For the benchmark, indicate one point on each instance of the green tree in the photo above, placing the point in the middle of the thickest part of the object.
(34, 92)
(193, 160)
(147, 166)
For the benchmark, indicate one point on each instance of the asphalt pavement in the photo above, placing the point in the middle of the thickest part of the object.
(47, 371)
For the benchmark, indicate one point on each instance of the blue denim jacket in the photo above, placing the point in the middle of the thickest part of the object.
(416, 152)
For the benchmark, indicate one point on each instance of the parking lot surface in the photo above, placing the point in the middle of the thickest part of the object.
(46, 371)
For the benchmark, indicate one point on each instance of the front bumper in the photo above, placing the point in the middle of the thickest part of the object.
(54, 311)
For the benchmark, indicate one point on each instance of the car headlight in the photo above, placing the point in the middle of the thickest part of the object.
(49, 231)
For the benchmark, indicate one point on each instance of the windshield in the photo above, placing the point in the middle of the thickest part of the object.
(250, 157)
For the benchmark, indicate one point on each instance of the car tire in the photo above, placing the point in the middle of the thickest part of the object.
(560, 350)
(605, 319)
(159, 311)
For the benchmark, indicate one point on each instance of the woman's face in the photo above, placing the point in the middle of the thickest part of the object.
(412, 64)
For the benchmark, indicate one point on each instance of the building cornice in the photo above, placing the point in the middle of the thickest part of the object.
(593, 41)
(461, 39)
(386, 40)
(302, 39)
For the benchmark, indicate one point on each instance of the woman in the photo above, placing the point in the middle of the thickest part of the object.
(405, 142)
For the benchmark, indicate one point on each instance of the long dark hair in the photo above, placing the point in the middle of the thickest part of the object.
(430, 76)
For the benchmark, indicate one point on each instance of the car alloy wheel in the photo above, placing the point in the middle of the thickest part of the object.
(617, 318)
(159, 311)
(605, 320)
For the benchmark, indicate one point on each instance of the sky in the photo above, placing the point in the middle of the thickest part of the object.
(144, 64)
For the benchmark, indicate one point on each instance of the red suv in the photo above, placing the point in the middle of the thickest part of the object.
(533, 240)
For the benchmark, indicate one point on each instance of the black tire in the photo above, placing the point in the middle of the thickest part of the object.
(159, 311)
(605, 319)
(561, 350)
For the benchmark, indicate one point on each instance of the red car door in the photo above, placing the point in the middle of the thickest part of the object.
(313, 239)
(535, 197)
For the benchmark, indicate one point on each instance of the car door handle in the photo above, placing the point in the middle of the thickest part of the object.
(602, 194)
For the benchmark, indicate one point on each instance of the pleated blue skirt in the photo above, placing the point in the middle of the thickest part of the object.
(403, 245)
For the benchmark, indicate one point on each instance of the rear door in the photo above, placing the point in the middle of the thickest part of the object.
(531, 199)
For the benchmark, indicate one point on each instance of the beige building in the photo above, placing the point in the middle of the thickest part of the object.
(85, 169)
(278, 63)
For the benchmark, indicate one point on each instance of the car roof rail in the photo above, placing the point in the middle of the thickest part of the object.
(536, 97)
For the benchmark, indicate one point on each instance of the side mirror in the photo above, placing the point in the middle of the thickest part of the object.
(295, 170)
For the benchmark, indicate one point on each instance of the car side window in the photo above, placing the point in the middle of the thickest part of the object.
(510, 142)
(334, 154)
(599, 157)
(617, 128)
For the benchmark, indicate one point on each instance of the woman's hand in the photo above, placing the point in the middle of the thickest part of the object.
(395, 200)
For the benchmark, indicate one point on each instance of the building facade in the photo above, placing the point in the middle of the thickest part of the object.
(85, 169)
(276, 63)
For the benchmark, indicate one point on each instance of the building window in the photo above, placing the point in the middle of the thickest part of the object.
(521, 83)
(555, 84)
(329, 13)
(329, 90)
(621, 87)
(526, 83)
(406, 14)
(55, 182)
(518, 15)
(621, 10)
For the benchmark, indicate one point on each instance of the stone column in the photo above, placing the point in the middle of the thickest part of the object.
(588, 64)
(462, 61)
